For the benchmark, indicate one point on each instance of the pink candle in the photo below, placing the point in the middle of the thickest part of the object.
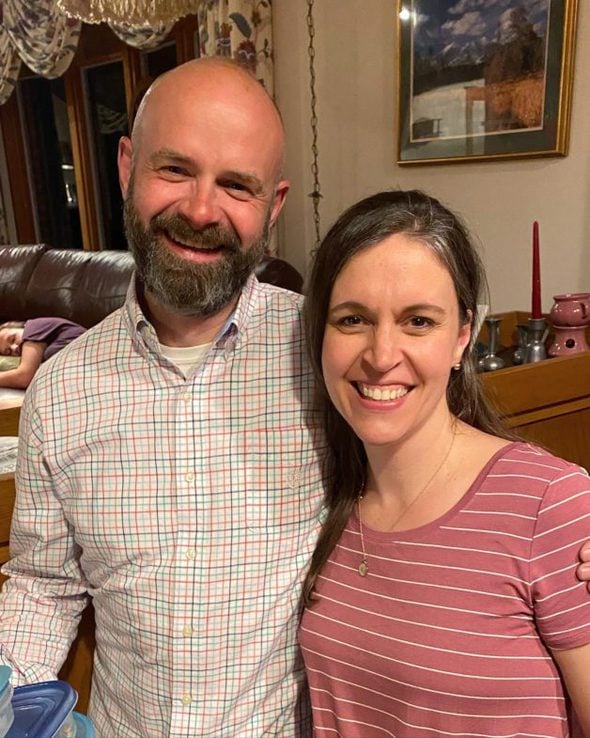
(536, 311)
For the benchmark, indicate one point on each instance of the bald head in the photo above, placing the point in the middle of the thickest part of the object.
(213, 81)
(201, 177)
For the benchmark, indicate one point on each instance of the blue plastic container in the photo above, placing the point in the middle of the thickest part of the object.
(6, 713)
(41, 710)
(84, 726)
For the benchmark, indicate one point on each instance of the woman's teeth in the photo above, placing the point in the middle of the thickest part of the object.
(382, 393)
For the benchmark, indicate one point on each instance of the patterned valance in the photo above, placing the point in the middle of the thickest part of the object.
(33, 31)
(240, 29)
(40, 34)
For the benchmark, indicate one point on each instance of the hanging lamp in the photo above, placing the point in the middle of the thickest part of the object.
(130, 12)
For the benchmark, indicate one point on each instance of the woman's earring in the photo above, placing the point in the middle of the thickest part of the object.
(457, 367)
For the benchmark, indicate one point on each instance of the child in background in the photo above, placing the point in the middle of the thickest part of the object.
(34, 341)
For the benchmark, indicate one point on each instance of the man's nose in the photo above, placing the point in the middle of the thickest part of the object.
(200, 206)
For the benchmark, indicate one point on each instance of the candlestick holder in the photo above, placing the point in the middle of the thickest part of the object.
(490, 362)
(537, 334)
(519, 355)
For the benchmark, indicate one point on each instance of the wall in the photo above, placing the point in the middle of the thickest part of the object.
(356, 73)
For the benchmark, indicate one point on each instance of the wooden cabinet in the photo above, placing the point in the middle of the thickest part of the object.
(547, 402)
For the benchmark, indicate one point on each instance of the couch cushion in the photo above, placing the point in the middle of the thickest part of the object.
(16, 267)
(83, 286)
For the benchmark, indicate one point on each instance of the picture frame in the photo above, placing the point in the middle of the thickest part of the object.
(480, 81)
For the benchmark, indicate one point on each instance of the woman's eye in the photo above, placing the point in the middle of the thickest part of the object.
(419, 321)
(350, 320)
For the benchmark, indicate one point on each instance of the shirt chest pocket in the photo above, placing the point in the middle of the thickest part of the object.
(279, 485)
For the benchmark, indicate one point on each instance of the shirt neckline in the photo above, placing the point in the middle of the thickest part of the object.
(418, 532)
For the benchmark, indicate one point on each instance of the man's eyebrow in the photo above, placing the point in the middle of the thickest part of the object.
(166, 153)
(251, 181)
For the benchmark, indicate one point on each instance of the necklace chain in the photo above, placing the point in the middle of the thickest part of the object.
(363, 568)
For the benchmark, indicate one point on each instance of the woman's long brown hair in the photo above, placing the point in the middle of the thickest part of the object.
(363, 225)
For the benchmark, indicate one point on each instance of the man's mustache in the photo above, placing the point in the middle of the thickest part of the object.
(210, 237)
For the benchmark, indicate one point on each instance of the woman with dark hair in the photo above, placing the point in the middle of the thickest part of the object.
(442, 597)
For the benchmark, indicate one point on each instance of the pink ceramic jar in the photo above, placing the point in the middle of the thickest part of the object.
(571, 309)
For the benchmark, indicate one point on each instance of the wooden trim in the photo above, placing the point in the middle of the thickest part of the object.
(7, 495)
(522, 389)
(81, 157)
(9, 417)
(555, 411)
(16, 163)
(184, 33)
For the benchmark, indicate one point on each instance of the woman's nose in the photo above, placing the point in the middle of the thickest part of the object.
(383, 351)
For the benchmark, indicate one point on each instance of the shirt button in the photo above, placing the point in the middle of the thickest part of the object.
(190, 553)
(186, 699)
(187, 630)
(190, 477)
(186, 398)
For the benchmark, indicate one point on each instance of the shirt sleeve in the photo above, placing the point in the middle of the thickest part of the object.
(40, 329)
(561, 601)
(42, 601)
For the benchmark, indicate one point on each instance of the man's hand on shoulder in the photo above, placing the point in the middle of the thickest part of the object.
(583, 570)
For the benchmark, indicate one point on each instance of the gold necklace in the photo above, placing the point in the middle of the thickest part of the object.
(364, 565)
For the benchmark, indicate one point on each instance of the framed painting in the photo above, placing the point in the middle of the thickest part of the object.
(484, 79)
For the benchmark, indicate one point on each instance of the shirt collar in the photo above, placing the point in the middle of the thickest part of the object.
(234, 329)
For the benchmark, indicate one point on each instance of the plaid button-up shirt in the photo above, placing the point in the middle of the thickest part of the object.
(188, 509)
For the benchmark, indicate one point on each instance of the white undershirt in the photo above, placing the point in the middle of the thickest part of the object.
(186, 358)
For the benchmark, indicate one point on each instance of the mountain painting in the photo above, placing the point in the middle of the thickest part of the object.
(478, 67)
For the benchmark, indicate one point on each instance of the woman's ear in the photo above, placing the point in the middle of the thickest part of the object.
(464, 336)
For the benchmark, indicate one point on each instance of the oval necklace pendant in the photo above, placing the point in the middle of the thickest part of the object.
(363, 568)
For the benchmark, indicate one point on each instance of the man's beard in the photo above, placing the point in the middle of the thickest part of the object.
(186, 287)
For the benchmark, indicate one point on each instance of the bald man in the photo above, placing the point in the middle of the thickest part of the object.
(169, 460)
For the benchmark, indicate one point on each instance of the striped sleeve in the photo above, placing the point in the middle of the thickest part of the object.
(561, 601)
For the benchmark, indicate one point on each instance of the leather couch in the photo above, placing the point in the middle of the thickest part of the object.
(85, 286)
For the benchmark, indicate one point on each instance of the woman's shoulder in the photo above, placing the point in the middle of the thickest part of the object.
(533, 453)
(526, 465)
(502, 459)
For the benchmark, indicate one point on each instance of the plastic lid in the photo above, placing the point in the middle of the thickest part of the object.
(40, 709)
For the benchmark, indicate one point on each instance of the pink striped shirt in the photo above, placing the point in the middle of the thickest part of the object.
(448, 635)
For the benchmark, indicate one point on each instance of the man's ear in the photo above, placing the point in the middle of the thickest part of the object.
(280, 193)
(124, 162)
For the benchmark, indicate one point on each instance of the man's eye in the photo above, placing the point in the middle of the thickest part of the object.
(173, 169)
(238, 189)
